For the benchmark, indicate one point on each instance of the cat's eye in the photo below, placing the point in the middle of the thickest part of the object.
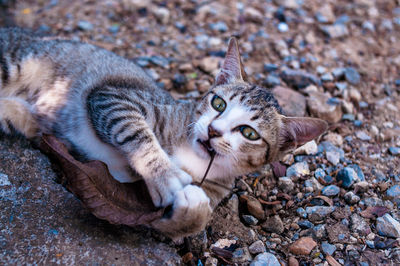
(218, 103)
(249, 133)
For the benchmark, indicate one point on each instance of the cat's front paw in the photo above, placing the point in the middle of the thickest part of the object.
(163, 189)
(190, 214)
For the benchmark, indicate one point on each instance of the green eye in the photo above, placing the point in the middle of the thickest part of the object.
(249, 133)
(218, 103)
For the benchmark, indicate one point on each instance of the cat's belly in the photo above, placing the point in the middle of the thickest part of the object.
(95, 149)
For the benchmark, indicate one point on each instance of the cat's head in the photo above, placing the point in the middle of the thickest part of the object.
(242, 123)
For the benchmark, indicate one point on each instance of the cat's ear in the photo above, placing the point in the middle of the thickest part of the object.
(232, 68)
(297, 131)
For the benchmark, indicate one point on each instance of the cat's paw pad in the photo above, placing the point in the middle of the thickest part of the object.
(191, 203)
(163, 189)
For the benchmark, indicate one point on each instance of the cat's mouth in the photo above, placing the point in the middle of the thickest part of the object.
(207, 146)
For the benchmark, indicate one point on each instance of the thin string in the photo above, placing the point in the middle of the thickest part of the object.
(212, 154)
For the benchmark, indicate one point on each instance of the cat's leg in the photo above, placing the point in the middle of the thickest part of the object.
(190, 214)
(16, 113)
(163, 178)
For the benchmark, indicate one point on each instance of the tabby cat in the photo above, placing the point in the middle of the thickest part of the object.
(104, 107)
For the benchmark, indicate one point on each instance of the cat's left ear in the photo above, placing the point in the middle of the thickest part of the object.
(297, 131)
(232, 70)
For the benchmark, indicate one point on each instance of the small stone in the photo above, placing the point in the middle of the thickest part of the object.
(283, 27)
(351, 198)
(319, 213)
(394, 151)
(223, 243)
(352, 76)
(209, 64)
(333, 156)
(233, 204)
(301, 212)
(285, 184)
(330, 190)
(114, 28)
(387, 226)
(293, 261)
(250, 220)
(219, 26)
(273, 224)
(299, 79)
(298, 169)
(335, 31)
(348, 176)
(332, 262)
(4, 181)
(361, 186)
(303, 246)
(292, 102)
(270, 67)
(320, 106)
(210, 261)
(252, 14)
(359, 225)
(257, 247)
(327, 77)
(338, 73)
(327, 248)
(310, 148)
(305, 224)
(368, 25)
(162, 14)
(265, 258)
(272, 81)
(255, 208)
(326, 12)
(362, 136)
(85, 25)
(392, 192)
(334, 138)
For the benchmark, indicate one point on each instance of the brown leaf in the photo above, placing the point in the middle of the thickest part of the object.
(373, 212)
(278, 169)
(129, 203)
(325, 198)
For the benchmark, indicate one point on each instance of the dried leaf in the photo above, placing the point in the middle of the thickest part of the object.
(373, 212)
(325, 198)
(129, 203)
(278, 169)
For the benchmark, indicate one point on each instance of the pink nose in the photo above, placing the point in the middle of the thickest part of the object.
(213, 133)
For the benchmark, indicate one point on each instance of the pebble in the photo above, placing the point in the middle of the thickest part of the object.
(362, 136)
(293, 261)
(387, 226)
(348, 176)
(242, 256)
(273, 224)
(271, 81)
(335, 31)
(301, 212)
(361, 186)
(283, 27)
(351, 198)
(210, 261)
(393, 192)
(219, 26)
(359, 225)
(85, 25)
(265, 258)
(305, 224)
(268, 67)
(310, 148)
(255, 208)
(330, 190)
(285, 184)
(162, 14)
(298, 169)
(292, 102)
(249, 219)
(338, 73)
(327, 77)
(257, 247)
(333, 156)
(320, 105)
(252, 14)
(299, 79)
(209, 64)
(319, 213)
(394, 151)
(327, 248)
(352, 76)
(303, 246)
(4, 181)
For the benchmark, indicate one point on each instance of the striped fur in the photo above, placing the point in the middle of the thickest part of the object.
(104, 107)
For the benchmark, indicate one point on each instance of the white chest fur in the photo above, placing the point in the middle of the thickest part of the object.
(188, 160)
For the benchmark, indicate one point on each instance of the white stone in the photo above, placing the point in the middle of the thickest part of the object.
(4, 180)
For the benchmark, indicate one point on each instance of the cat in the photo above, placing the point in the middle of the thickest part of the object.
(105, 107)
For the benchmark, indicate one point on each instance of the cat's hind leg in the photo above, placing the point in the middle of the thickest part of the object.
(16, 114)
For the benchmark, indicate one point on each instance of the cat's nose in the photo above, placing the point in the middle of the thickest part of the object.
(213, 133)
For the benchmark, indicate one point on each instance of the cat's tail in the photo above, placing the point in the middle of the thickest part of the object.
(16, 115)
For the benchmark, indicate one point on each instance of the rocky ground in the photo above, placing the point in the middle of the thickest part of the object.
(333, 202)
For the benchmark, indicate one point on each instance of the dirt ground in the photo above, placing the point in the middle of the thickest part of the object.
(339, 60)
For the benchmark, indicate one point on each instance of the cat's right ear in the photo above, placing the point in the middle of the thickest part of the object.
(232, 69)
